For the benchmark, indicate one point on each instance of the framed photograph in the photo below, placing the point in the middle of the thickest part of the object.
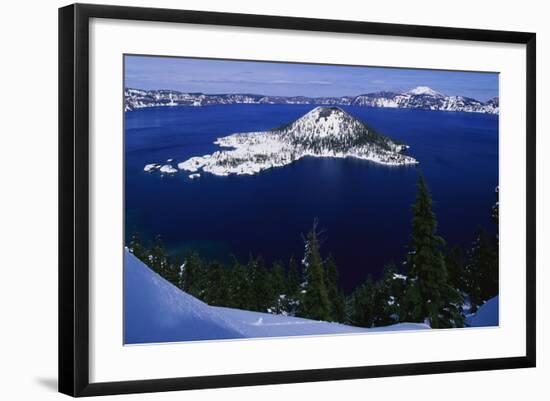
(249, 199)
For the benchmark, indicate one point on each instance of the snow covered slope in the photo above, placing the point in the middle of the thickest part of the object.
(157, 311)
(487, 315)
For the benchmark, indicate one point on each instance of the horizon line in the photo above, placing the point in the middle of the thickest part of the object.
(305, 96)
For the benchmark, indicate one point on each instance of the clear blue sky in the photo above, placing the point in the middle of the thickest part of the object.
(225, 76)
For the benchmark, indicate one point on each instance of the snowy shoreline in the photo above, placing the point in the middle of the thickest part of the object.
(250, 157)
(422, 97)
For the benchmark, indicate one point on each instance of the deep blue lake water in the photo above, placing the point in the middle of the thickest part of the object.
(363, 208)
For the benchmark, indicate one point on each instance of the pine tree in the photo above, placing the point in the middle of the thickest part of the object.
(482, 270)
(279, 285)
(194, 275)
(293, 281)
(179, 266)
(316, 304)
(158, 260)
(217, 291)
(157, 256)
(362, 304)
(240, 286)
(260, 284)
(136, 247)
(340, 311)
(389, 294)
(334, 294)
(428, 295)
(293, 287)
(456, 268)
(172, 272)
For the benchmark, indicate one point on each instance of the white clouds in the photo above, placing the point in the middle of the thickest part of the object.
(319, 82)
(287, 82)
(282, 82)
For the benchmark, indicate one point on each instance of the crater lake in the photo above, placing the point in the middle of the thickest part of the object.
(363, 208)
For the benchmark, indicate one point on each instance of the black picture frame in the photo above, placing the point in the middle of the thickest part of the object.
(74, 198)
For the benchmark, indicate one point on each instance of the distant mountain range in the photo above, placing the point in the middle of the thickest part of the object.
(421, 97)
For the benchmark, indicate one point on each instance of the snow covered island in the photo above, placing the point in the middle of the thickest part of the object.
(322, 132)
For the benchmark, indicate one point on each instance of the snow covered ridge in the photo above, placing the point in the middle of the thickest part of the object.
(421, 97)
(322, 132)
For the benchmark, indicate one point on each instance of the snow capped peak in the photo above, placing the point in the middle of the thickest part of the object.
(324, 122)
(324, 111)
(424, 90)
(321, 114)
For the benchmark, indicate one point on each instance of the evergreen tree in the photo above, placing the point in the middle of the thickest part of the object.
(428, 295)
(483, 263)
(456, 268)
(340, 312)
(482, 270)
(279, 278)
(389, 294)
(194, 275)
(279, 285)
(136, 247)
(157, 256)
(293, 281)
(293, 287)
(240, 286)
(260, 284)
(172, 272)
(335, 296)
(217, 291)
(315, 304)
(362, 304)
(179, 265)
(157, 259)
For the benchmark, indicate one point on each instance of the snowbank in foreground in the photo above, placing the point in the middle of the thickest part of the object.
(257, 324)
(157, 311)
(487, 315)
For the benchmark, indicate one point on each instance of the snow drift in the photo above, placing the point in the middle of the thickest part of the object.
(487, 315)
(157, 311)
